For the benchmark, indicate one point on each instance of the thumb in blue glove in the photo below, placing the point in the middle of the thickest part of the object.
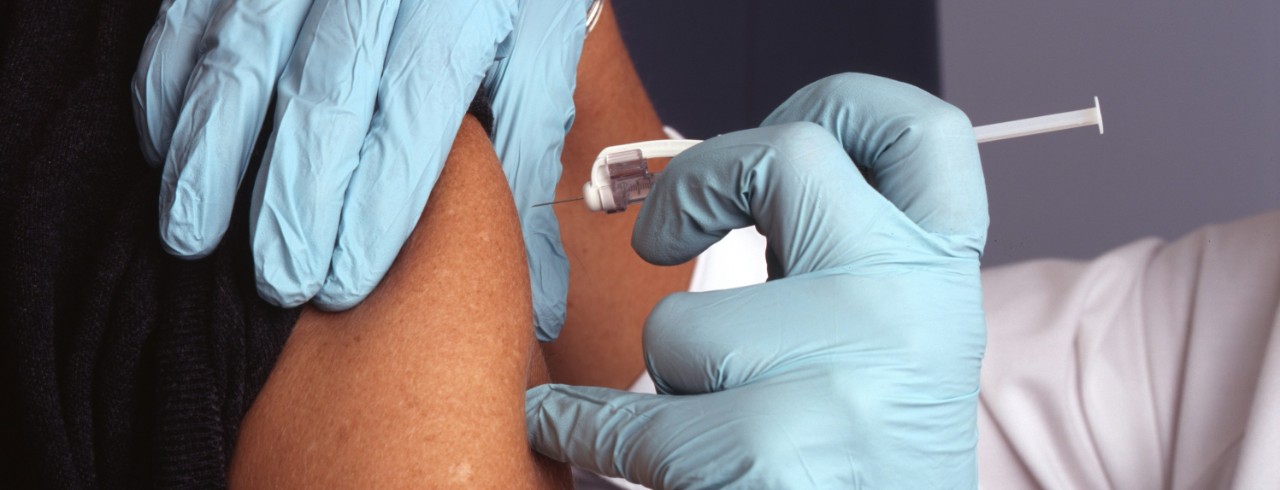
(531, 89)
(857, 364)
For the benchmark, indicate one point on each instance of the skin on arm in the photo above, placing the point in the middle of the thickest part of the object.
(600, 344)
(422, 384)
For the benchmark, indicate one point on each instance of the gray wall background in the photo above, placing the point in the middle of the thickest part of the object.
(1190, 99)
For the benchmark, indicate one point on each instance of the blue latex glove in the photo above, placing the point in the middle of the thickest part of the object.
(370, 96)
(857, 364)
(531, 90)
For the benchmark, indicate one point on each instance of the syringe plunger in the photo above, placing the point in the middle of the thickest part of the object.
(1042, 124)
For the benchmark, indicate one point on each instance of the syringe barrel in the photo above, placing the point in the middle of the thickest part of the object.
(631, 189)
(629, 179)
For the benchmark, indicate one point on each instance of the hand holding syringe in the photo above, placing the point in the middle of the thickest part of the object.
(620, 174)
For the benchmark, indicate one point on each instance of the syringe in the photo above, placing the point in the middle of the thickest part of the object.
(620, 174)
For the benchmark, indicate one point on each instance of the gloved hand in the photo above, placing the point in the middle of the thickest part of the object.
(531, 90)
(370, 95)
(857, 364)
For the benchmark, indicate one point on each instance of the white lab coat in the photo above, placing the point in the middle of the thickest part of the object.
(1151, 366)
(1156, 365)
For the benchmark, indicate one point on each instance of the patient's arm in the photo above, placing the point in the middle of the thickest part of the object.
(423, 383)
(600, 342)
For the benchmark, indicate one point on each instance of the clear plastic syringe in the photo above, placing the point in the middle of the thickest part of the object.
(620, 174)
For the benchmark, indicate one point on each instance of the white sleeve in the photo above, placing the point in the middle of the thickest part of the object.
(1152, 366)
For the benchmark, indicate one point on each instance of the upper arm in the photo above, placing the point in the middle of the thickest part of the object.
(423, 383)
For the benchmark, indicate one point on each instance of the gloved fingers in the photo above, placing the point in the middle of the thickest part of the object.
(438, 53)
(244, 49)
(531, 89)
(714, 341)
(920, 150)
(323, 108)
(793, 181)
(611, 432)
(548, 270)
(168, 55)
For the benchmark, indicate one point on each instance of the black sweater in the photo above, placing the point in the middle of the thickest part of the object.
(120, 366)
